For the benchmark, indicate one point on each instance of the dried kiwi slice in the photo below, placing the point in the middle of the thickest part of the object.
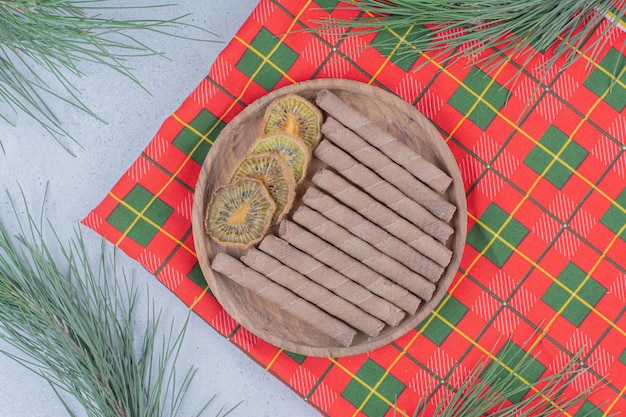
(295, 115)
(274, 173)
(289, 147)
(240, 213)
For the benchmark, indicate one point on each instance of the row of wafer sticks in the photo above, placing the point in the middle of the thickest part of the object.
(368, 243)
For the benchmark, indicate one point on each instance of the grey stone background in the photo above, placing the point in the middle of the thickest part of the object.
(33, 161)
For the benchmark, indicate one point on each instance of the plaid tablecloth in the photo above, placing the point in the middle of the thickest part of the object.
(545, 258)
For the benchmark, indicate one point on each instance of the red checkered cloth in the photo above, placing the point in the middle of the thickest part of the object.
(545, 257)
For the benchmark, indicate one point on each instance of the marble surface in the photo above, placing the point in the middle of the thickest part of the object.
(32, 161)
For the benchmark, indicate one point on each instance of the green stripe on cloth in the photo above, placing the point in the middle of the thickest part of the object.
(544, 166)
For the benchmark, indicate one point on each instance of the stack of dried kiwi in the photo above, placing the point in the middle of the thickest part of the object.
(262, 188)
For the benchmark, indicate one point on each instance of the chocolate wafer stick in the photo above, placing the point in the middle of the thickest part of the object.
(380, 189)
(383, 216)
(363, 251)
(312, 292)
(371, 233)
(283, 298)
(376, 136)
(348, 266)
(378, 162)
(332, 280)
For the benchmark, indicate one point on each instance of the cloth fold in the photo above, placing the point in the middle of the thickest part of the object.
(546, 191)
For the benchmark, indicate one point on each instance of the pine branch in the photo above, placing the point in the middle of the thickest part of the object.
(489, 386)
(500, 28)
(40, 39)
(74, 323)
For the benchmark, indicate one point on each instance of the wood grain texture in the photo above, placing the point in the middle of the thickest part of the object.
(267, 321)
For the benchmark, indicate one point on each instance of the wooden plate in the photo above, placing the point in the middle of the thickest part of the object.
(265, 320)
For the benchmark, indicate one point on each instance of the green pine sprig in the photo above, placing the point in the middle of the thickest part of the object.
(44, 45)
(487, 389)
(74, 321)
(497, 28)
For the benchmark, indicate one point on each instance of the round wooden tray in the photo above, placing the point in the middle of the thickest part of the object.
(265, 320)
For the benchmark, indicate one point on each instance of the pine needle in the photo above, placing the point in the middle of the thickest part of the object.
(73, 322)
(490, 385)
(499, 28)
(44, 40)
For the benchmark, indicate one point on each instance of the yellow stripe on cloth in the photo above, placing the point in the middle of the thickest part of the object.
(511, 215)
(612, 16)
(140, 215)
(584, 281)
(266, 59)
(533, 140)
(547, 274)
(551, 322)
(274, 359)
(356, 378)
(479, 99)
(596, 65)
(401, 40)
